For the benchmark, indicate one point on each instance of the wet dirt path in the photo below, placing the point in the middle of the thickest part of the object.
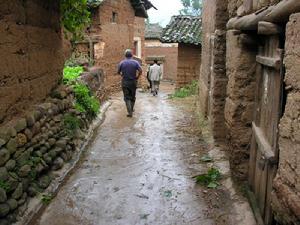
(136, 171)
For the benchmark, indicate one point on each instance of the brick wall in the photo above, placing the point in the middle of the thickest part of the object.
(115, 37)
(286, 194)
(189, 61)
(31, 53)
(169, 52)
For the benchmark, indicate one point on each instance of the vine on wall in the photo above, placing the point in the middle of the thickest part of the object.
(75, 16)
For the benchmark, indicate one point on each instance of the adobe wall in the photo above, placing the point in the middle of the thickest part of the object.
(213, 80)
(115, 38)
(139, 31)
(239, 107)
(208, 29)
(31, 52)
(286, 193)
(170, 53)
(189, 62)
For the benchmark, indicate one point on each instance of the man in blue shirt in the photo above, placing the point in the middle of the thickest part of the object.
(130, 70)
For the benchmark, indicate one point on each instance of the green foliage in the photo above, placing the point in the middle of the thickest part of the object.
(71, 123)
(46, 198)
(5, 186)
(75, 16)
(191, 7)
(71, 73)
(210, 179)
(85, 102)
(186, 91)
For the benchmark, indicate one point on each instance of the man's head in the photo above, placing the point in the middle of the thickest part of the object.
(155, 61)
(128, 53)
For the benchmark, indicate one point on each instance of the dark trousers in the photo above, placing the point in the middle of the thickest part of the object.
(129, 89)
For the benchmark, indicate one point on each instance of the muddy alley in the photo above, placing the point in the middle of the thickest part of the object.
(139, 170)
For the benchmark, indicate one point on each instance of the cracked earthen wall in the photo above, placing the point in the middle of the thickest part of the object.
(241, 67)
(286, 192)
(213, 80)
(31, 53)
(188, 66)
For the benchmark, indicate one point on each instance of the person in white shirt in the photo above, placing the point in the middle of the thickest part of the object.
(155, 75)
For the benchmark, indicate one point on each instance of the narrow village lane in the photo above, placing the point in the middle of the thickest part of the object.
(136, 171)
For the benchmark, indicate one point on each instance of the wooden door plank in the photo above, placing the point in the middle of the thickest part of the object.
(267, 28)
(264, 146)
(252, 164)
(268, 61)
(272, 169)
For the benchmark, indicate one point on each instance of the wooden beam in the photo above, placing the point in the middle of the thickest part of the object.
(249, 22)
(263, 144)
(268, 61)
(282, 11)
(276, 14)
(267, 28)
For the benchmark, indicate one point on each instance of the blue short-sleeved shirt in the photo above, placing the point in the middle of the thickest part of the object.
(129, 68)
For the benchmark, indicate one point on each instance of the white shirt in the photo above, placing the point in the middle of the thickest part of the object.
(155, 73)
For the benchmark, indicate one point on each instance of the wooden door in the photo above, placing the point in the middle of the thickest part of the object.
(264, 145)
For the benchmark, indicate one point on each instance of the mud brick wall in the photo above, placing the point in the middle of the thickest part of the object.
(31, 53)
(31, 148)
(189, 62)
(170, 54)
(139, 31)
(208, 29)
(213, 80)
(115, 38)
(286, 194)
(239, 107)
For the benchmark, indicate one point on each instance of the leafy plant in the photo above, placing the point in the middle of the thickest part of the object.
(186, 91)
(210, 179)
(71, 123)
(85, 102)
(75, 16)
(46, 198)
(71, 73)
(5, 186)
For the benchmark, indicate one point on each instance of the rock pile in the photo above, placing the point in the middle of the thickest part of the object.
(32, 147)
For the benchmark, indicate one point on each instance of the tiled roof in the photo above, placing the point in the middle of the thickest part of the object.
(183, 29)
(153, 31)
(140, 6)
(94, 3)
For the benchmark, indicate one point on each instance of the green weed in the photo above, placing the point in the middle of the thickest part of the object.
(85, 102)
(46, 198)
(71, 73)
(71, 123)
(5, 186)
(210, 179)
(189, 90)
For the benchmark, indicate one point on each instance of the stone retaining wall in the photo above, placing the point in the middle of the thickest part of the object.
(32, 147)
